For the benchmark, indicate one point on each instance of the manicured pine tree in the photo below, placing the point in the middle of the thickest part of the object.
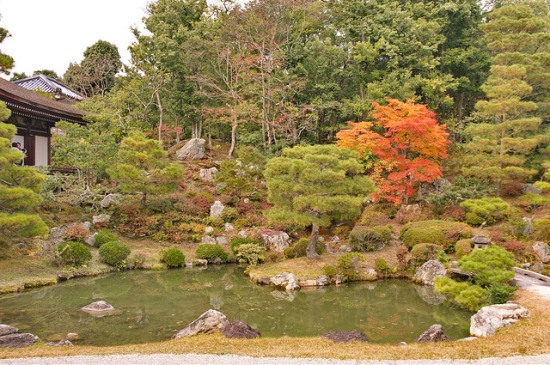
(315, 186)
(142, 167)
(19, 189)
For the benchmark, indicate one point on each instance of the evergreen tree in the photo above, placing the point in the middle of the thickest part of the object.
(142, 167)
(314, 186)
(19, 189)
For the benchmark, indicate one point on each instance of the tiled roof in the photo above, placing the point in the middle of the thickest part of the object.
(49, 85)
(25, 102)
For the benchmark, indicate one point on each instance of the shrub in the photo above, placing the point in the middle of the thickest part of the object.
(532, 201)
(511, 188)
(330, 270)
(461, 189)
(211, 252)
(402, 257)
(515, 247)
(424, 252)
(236, 242)
(349, 264)
(229, 214)
(382, 267)
(500, 293)
(491, 265)
(541, 230)
(544, 186)
(490, 210)
(466, 295)
(463, 247)
(444, 233)
(250, 253)
(137, 261)
(76, 232)
(299, 249)
(370, 239)
(104, 236)
(73, 253)
(114, 253)
(172, 257)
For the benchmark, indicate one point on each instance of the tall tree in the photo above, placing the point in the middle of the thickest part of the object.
(315, 186)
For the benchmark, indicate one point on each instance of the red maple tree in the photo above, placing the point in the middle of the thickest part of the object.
(403, 147)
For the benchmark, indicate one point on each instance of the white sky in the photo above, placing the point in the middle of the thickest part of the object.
(50, 34)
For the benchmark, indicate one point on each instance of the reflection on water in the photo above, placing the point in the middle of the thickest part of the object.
(152, 306)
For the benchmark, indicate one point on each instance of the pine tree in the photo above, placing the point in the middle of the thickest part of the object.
(314, 186)
(142, 167)
(19, 190)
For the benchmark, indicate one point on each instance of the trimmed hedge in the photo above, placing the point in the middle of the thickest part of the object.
(370, 238)
(438, 232)
(104, 236)
(73, 253)
(212, 252)
(114, 253)
(172, 257)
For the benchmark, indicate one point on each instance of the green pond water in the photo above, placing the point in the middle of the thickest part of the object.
(152, 306)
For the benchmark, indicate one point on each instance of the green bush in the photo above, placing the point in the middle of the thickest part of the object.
(490, 265)
(383, 268)
(490, 210)
(460, 190)
(444, 233)
(463, 247)
(500, 293)
(212, 252)
(544, 186)
(330, 270)
(299, 249)
(424, 252)
(104, 236)
(114, 253)
(236, 242)
(349, 264)
(73, 253)
(370, 238)
(250, 253)
(541, 230)
(172, 257)
(466, 295)
(229, 214)
(532, 201)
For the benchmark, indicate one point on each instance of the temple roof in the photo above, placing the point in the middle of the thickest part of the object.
(27, 103)
(49, 85)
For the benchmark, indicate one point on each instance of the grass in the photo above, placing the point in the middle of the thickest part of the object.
(530, 336)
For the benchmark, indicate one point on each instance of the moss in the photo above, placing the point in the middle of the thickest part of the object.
(444, 233)
(36, 283)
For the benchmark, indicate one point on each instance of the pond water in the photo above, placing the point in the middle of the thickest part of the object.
(152, 306)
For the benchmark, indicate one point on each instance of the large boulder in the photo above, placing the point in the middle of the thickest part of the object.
(17, 340)
(216, 209)
(345, 336)
(208, 322)
(98, 309)
(488, 319)
(208, 175)
(427, 273)
(433, 334)
(275, 240)
(542, 250)
(7, 330)
(192, 150)
(239, 329)
(286, 280)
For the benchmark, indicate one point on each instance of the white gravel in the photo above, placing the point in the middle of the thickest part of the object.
(192, 359)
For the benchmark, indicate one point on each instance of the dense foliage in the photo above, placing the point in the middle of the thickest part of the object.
(114, 253)
(73, 253)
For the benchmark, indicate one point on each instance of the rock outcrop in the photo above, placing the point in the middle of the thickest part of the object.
(216, 209)
(274, 240)
(542, 250)
(208, 322)
(433, 334)
(488, 319)
(192, 150)
(239, 329)
(345, 336)
(286, 281)
(17, 340)
(427, 273)
(208, 175)
(110, 199)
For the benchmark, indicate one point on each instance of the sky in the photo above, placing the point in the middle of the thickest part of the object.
(50, 34)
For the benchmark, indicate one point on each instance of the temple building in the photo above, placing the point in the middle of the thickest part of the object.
(34, 116)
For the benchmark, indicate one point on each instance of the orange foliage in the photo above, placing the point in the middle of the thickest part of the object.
(403, 147)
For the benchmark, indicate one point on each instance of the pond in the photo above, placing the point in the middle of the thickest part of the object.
(153, 305)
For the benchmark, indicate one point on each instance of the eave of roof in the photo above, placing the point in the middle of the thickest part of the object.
(50, 85)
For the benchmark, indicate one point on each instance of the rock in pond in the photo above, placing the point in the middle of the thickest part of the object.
(433, 334)
(427, 273)
(488, 319)
(345, 336)
(16, 340)
(208, 322)
(286, 280)
(98, 309)
(239, 329)
(7, 330)
(60, 343)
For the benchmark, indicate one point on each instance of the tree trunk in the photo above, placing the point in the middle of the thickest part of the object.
(161, 115)
(233, 139)
(311, 248)
(144, 199)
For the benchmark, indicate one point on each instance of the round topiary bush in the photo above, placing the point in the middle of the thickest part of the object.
(444, 233)
(104, 236)
(424, 252)
(172, 257)
(73, 253)
(114, 253)
(211, 252)
(463, 247)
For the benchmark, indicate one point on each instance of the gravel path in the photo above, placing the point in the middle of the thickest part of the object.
(191, 359)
